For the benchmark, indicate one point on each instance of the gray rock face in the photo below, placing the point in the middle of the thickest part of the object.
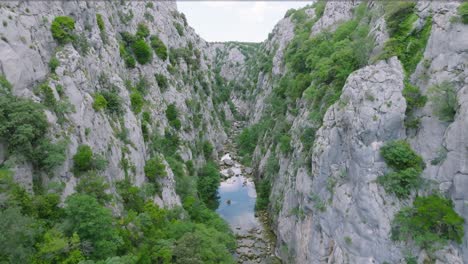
(346, 153)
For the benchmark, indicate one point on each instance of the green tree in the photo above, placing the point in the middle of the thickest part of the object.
(155, 169)
(62, 29)
(18, 236)
(207, 184)
(83, 159)
(431, 222)
(463, 12)
(94, 185)
(93, 223)
(57, 248)
(399, 155)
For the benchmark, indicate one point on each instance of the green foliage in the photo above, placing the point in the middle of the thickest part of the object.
(94, 185)
(93, 223)
(162, 81)
(23, 125)
(207, 149)
(401, 182)
(179, 28)
(444, 100)
(413, 96)
(431, 222)
(142, 51)
(155, 169)
(100, 23)
(407, 165)
(285, 144)
(399, 156)
(137, 101)
(114, 102)
(53, 64)
(142, 31)
(47, 155)
(406, 42)
(463, 12)
(132, 197)
(172, 115)
(62, 29)
(207, 184)
(263, 186)
(5, 85)
(18, 237)
(100, 102)
(159, 47)
(129, 60)
(47, 96)
(83, 159)
(167, 145)
(55, 247)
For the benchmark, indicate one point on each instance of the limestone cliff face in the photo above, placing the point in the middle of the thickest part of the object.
(326, 206)
(27, 47)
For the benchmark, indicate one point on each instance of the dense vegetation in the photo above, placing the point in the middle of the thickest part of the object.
(36, 230)
(407, 167)
(23, 126)
(135, 47)
(430, 223)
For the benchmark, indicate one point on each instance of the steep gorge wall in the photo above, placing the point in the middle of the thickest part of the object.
(96, 65)
(325, 202)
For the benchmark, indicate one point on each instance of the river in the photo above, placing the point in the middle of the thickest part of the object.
(237, 197)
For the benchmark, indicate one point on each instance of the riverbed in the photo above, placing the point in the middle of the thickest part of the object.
(237, 197)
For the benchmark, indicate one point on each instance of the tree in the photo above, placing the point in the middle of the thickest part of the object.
(18, 236)
(62, 29)
(399, 155)
(207, 184)
(83, 159)
(155, 169)
(57, 248)
(93, 223)
(444, 100)
(430, 223)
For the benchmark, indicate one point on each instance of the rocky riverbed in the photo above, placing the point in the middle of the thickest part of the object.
(237, 206)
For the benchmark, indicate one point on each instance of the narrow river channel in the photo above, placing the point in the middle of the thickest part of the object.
(237, 197)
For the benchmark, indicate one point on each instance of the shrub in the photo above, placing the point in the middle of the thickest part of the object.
(155, 169)
(22, 124)
(137, 101)
(207, 149)
(285, 144)
(47, 155)
(53, 64)
(142, 51)
(83, 159)
(179, 28)
(47, 96)
(401, 182)
(413, 96)
(399, 156)
(100, 22)
(159, 47)
(431, 222)
(100, 102)
(207, 184)
(62, 29)
(5, 85)
(444, 100)
(162, 81)
(127, 57)
(114, 102)
(142, 31)
(172, 116)
(463, 12)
